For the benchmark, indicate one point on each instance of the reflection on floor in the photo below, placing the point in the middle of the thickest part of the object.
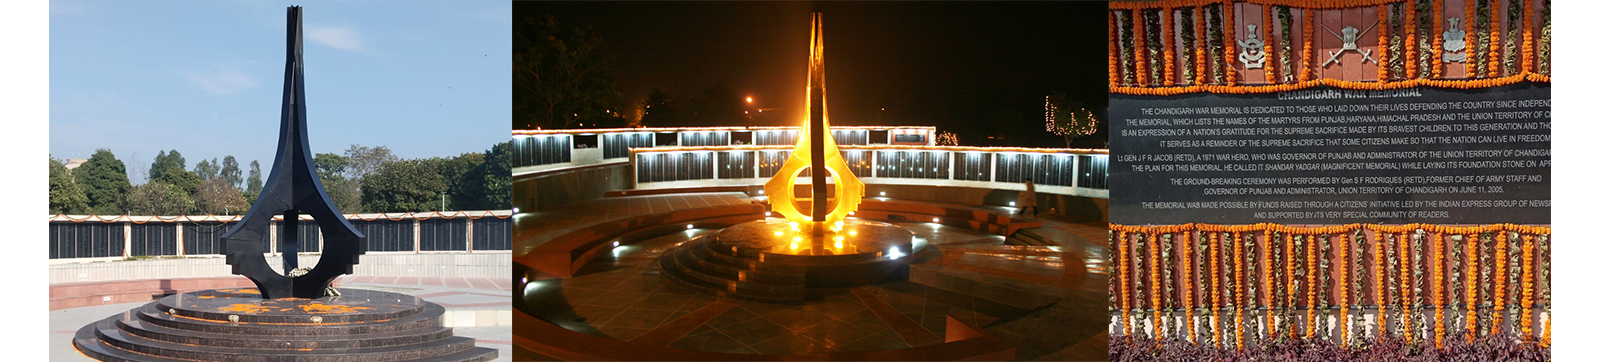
(623, 296)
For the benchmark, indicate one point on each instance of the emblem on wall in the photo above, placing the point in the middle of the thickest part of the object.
(1252, 56)
(1349, 35)
(1455, 40)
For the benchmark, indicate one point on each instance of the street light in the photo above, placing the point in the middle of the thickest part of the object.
(748, 99)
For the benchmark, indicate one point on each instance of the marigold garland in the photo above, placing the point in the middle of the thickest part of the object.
(1271, 280)
(1411, 39)
(1405, 282)
(1383, 281)
(1527, 38)
(1307, 55)
(1216, 286)
(1266, 40)
(1344, 291)
(1122, 245)
(1383, 44)
(1188, 286)
(1238, 291)
(1111, 50)
(1499, 281)
(1469, 17)
(1155, 286)
(1201, 37)
(1311, 288)
(1291, 282)
(1472, 287)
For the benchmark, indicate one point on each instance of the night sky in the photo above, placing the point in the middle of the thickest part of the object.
(978, 69)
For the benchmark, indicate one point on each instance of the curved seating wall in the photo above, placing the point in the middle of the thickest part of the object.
(564, 254)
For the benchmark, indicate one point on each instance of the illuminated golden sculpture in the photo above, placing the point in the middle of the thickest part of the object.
(816, 143)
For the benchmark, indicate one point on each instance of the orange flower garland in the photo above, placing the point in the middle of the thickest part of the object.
(1438, 292)
(1272, 285)
(1470, 17)
(1216, 286)
(1228, 40)
(1289, 283)
(1200, 36)
(1111, 51)
(1122, 244)
(1527, 38)
(1266, 39)
(1411, 39)
(1155, 284)
(1494, 38)
(1438, 40)
(1306, 53)
(1527, 282)
(1188, 285)
(1170, 45)
(1344, 291)
(1139, 49)
(1499, 281)
(1383, 43)
(1311, 287)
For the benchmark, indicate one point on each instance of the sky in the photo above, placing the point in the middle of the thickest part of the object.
(955, 65)
(423, 78)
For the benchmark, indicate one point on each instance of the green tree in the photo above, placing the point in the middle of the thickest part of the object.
(366, 160)
(157, 198)
(404, 185)
(230, 172)
(254, 182)
(487, 186)
(207, 169)
(169, 168)
(104, 179)
(331, 170)
(66, 196)
(559, 75)
(217, 197)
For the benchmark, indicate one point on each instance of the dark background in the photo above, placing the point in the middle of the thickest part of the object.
(978, 69)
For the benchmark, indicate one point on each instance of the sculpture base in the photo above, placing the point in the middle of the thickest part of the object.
(775, 260)
(238, 325)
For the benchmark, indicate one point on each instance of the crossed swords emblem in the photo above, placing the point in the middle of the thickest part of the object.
(1349, 38)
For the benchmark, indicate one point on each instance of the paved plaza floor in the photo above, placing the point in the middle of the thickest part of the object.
(474, 307)
(623, 295)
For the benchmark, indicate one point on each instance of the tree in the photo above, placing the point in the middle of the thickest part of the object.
(217, 197)
(488, 185)
(366, 160)
(254, 184)
(455, 170)
(207, 169)
(1069, 118)
(230, 172)
(404, 185)
(331, 169)
(104, 179)
(169, 168)
(157, 198)
(66, 196)
(559, 76)
(659, 110)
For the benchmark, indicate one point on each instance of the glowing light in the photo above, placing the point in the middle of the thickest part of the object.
(777, 233)
(1013, 203)
(894, 253)
(796, 239)
(749, 100)
(616, 244)
(881, 193)
(852, 233)
(936, 219)
(691, 226)
(848, 188)
(514, 210)
(769, 213)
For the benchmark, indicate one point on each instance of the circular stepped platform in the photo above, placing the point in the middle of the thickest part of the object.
(238, 325)
(769, 261)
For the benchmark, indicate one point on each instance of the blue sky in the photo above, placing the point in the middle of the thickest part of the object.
(424, 78)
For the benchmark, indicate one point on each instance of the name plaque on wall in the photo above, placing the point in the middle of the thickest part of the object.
(1327, 155)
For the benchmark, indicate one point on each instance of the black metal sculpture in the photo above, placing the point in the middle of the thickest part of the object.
(293, 188)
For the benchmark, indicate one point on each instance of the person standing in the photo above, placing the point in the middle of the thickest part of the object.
(1025, 200)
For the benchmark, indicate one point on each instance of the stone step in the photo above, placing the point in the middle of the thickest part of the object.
(139, 328)
(674, 268)
(1006, 291)
(103, 340)
(710, 263)
(429, 317)
(1028, 237)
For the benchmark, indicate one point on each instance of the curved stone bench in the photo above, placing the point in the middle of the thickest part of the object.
(73, 295)
(561, 255)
